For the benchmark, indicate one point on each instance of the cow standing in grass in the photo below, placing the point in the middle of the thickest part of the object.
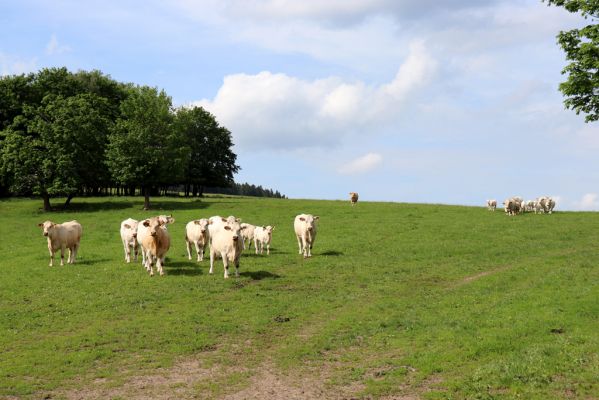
(129, 238)
(491, 204)
(305, 231)
(155, 244)
(262, 237)
(142, 232)
(62, 236)
(226, 242)
(247, 233)
(353, 198)
(196, 232)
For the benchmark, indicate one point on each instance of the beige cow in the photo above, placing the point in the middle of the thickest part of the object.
(155, 243)
(305, 232)
(353, 198)
(247, 233)
(142, 232)
(226, 243)
(196, 232)
(62, 236)
(491, 204)
(129, 238)
(263, 236)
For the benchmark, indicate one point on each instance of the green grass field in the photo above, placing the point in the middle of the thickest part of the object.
(427, 301)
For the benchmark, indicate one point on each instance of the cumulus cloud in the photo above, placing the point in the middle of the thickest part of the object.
(268, 110)
(365, 163)
(13, 65)
(54, 47)
(589, 201)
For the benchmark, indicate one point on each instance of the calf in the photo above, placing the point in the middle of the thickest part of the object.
(491, 205)
(129, 238)
(226, 243)
(196, 232)
(247, 233)
(263, 236)
(305, 231)
(62, 236)
(155, 244)
(353, 198)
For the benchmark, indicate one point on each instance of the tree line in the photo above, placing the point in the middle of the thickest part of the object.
(68, 134)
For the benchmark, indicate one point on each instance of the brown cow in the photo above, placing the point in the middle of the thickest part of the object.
(353, 197)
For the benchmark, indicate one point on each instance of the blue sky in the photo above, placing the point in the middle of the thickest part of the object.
(451, 101)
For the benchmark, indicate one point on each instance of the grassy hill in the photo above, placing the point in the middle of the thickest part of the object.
(419, 301)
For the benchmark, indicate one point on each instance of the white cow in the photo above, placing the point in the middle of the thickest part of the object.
(217, 222)
(196, 232)
(226, 243)
(512, 206)
(491, 204)
(550, 205)
(62, 236)
(305, 231)
(129, 238)
(263, 236)
(247, 233)
(156, 243)
(541, 205)
(142, 232)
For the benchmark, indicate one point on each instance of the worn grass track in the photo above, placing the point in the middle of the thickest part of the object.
(421, 301)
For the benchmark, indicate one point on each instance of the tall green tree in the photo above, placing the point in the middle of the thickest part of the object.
(144, 148)
(56, 148)
(581, 88)
(211, 160)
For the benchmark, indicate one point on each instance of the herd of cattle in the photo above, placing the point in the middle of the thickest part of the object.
(517, 205)
(226, 238)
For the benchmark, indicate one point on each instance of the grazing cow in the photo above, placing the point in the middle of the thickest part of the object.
(512, 206)
(247, 233)
(353, 197)
(550, 205)
(226, 243)
(62, 236)
(196, 232)
(491, 204)
(541, 205)
(263, 236)
(142, 232)
(156, 243)
(305, 231)
(129, 238)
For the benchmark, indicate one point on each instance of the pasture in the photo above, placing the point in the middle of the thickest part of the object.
(400, 301)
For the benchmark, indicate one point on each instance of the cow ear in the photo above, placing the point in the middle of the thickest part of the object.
(171, 220)
(40, 224)
(146, 223)
(127, 226)
(273, 228)
(316, 218)
(238, 219)
(197, 222)
(302, 219)
(228, 227)
(224, 220)
(210, 222)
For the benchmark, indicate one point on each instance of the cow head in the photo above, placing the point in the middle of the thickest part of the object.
(153, 225)
(47, 227)
(202, 223)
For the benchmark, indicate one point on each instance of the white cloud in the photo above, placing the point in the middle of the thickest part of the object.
(13, 65)
(55, 48)
(589, 201)
(365, 163)
(270, 110)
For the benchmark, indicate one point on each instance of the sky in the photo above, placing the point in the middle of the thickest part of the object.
(427, 101)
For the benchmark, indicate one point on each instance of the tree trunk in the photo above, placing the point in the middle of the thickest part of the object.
(200, 191)
(47, 206)
(146, 190)
(69, 198)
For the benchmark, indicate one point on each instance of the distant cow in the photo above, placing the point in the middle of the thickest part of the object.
(263, 236)
(62, 236)
(512, 206)
(550, 205)
(156, 243)
(196, 232)
(305, 232)
(227, 243)
(491, 204)
(541, 204)
(129, 238)
(247, 233)
(353, 197)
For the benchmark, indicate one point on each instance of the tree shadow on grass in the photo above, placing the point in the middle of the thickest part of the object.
(259, 275)
(189, 268)
(160, 206)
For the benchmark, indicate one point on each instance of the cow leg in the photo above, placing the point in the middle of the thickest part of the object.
(299, 243)
(127, 251)
(188, 245)
(159, 266)
(51, 256)
(70, 258)
(135, 249)
(267, 249)
(62, 249)
(75, 251)
(211, 261)
(198, 251)
(237, 268)
(256, 245)
(226, 265)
